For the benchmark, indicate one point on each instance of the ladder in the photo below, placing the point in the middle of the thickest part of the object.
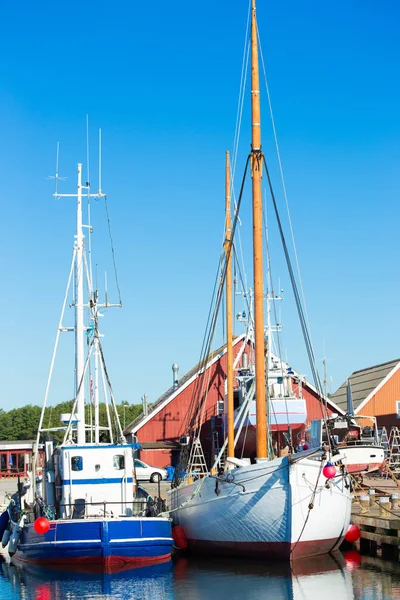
(384, 440)
(393, 458)
(216, 450)
(197, 463)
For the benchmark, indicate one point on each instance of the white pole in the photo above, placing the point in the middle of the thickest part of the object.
(79, 327)
(96, 393)
(99, 162)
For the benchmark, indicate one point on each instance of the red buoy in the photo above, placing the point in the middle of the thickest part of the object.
(41, 525)
(329, 471)
(352, 534)
(179, 537)
(305, 447)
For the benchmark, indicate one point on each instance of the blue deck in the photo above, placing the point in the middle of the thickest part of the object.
(97, 541)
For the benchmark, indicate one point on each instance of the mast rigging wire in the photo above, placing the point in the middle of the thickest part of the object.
(282, 178)
(303, 321)
(112, 250)
(198, 392)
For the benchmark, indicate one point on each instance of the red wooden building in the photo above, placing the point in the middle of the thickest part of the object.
(16, 458)
(159, 431)
(376, 393)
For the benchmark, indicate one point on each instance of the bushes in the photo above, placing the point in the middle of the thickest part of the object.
(22, 423)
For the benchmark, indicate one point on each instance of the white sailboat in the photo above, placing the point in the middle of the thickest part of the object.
(284, 507)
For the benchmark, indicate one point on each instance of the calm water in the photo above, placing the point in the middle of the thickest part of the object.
(341, 578)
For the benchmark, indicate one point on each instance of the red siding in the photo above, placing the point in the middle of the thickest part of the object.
(383, 404)
(315, 410)
(172, 421)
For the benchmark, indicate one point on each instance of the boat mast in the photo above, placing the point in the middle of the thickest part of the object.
(229, 347)
(256, 173)
(79, 327)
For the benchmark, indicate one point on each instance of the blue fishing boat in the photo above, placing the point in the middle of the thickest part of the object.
(81, 504)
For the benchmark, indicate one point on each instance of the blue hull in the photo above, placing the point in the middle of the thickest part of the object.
(98, 541)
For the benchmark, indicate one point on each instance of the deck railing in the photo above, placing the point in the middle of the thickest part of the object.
(79, 510)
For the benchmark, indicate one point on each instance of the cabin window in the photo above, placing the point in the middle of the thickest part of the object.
(398, 408)
(119, 462)
(77, 463)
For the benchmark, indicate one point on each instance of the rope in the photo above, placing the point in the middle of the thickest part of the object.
(242, 88)
(196, 407)
(310, 507)
(285, 386)
(116, 416)
(238, 125)
(282, 176)
(112, 250)
(300, 311)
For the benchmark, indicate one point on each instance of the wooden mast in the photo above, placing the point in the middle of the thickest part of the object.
(228, 290)
(256, 173)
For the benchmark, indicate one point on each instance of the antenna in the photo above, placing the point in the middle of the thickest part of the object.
(100, 161)
(88, 205)
(87, 153)
(56, 177)
(325, 380)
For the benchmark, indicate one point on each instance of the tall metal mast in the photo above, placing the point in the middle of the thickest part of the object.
(79, 326)
(256, 173)
(229, 348)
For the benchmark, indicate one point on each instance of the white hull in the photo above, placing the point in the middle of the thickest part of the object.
(362, 459)
(270, 516)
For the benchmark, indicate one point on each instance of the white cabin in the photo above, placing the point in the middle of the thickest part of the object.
(92, 480)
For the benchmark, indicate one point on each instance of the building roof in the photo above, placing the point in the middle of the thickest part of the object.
(16, 444)
(364, 383)
(172, 392)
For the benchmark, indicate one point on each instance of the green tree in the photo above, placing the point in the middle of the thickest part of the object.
(22, 423)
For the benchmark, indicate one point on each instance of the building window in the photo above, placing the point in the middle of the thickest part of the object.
(77, 463)
(3, 463)
(119, 462)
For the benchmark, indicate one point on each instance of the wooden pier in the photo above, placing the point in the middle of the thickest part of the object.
(380, 529)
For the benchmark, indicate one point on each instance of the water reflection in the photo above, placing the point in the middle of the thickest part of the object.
(319, 578)
(377, 579)
(348, 577)
(34, 583)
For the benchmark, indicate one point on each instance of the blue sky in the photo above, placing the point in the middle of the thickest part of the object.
(161, 79)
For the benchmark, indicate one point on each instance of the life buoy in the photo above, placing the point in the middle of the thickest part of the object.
(179, 537)
(6, 537)
(4, 519)
(13, 543)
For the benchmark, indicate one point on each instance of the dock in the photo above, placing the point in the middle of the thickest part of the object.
(379, 529)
